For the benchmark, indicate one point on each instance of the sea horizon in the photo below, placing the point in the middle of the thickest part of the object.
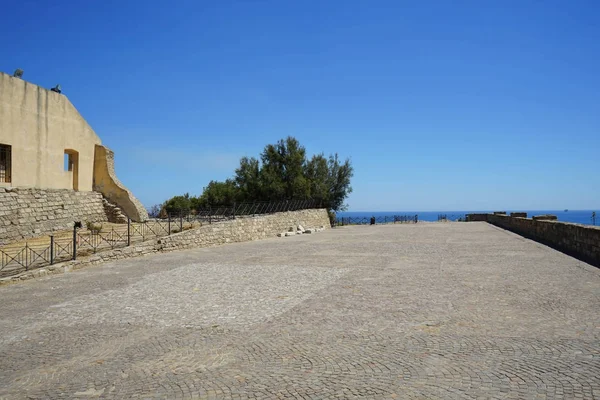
(574, 216)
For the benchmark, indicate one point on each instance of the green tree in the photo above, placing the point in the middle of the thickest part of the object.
(317, 174)
(281, 173)
(247, 180)
(339, 182)
(219, 194)
(178, 204)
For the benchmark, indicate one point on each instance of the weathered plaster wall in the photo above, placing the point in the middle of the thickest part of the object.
(579, 241)
(39, 125)
(27, 213)
(107, 183)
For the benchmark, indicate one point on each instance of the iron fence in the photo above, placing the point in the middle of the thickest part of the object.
(68, 246)
(16, 259)
(390, 219)
(217, 213)
(452, 217)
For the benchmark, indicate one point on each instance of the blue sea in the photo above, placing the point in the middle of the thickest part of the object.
(575, 216)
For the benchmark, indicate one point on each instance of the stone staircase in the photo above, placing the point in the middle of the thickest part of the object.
(114, 213)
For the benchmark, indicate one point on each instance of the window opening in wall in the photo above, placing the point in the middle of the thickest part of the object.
(67, 162)
(71, 164)
(5, 163)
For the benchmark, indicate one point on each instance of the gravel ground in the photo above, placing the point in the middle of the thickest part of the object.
(444, 310)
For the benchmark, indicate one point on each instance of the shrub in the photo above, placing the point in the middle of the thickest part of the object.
(331, 217)
(94, 227)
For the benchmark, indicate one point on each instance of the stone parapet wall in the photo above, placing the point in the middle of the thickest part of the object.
(245, 229)
(476, 217)
(27, 213)
(237, 230)
(579, 241)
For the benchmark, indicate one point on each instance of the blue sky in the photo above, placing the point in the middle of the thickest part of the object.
(441, 105)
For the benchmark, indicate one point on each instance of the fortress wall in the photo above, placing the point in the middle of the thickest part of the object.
(237, 230)
(40, 125)
(27, 213)
(245, 229)
(579, 241)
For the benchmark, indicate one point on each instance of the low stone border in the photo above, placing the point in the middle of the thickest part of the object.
(238, 230)
(141, 249)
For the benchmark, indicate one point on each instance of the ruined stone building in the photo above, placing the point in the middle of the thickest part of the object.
(53, 166)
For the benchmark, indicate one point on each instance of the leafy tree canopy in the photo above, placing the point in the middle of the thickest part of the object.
(281, 172)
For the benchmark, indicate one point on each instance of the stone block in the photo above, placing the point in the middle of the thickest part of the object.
(518, 214)
(546, 217)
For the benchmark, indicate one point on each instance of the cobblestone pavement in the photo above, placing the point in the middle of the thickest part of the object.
(445, 310)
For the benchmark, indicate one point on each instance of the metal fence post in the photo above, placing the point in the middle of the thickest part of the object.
(74, 243)
(128, 231)
(209, 215)
(234, 210)
(26, 252)
(180, 222)
(169, 222)
(51, 249)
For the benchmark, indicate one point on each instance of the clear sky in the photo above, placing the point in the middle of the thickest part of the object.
(441, 105)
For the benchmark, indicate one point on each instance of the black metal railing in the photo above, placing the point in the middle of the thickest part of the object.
(68, 246)
(389, 219)
(216, 213)
(15, 259)
(452, 217)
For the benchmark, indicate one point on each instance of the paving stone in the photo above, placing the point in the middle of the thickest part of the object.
(419, 311)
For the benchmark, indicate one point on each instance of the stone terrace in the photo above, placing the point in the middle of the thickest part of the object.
(445, 310)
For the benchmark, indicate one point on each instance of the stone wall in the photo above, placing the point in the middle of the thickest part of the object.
(27, 213)
(476, 217)
(245, 229)
(518, 214)
(579, 241)
(237, 230)
(107, 183)
(113, 212)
